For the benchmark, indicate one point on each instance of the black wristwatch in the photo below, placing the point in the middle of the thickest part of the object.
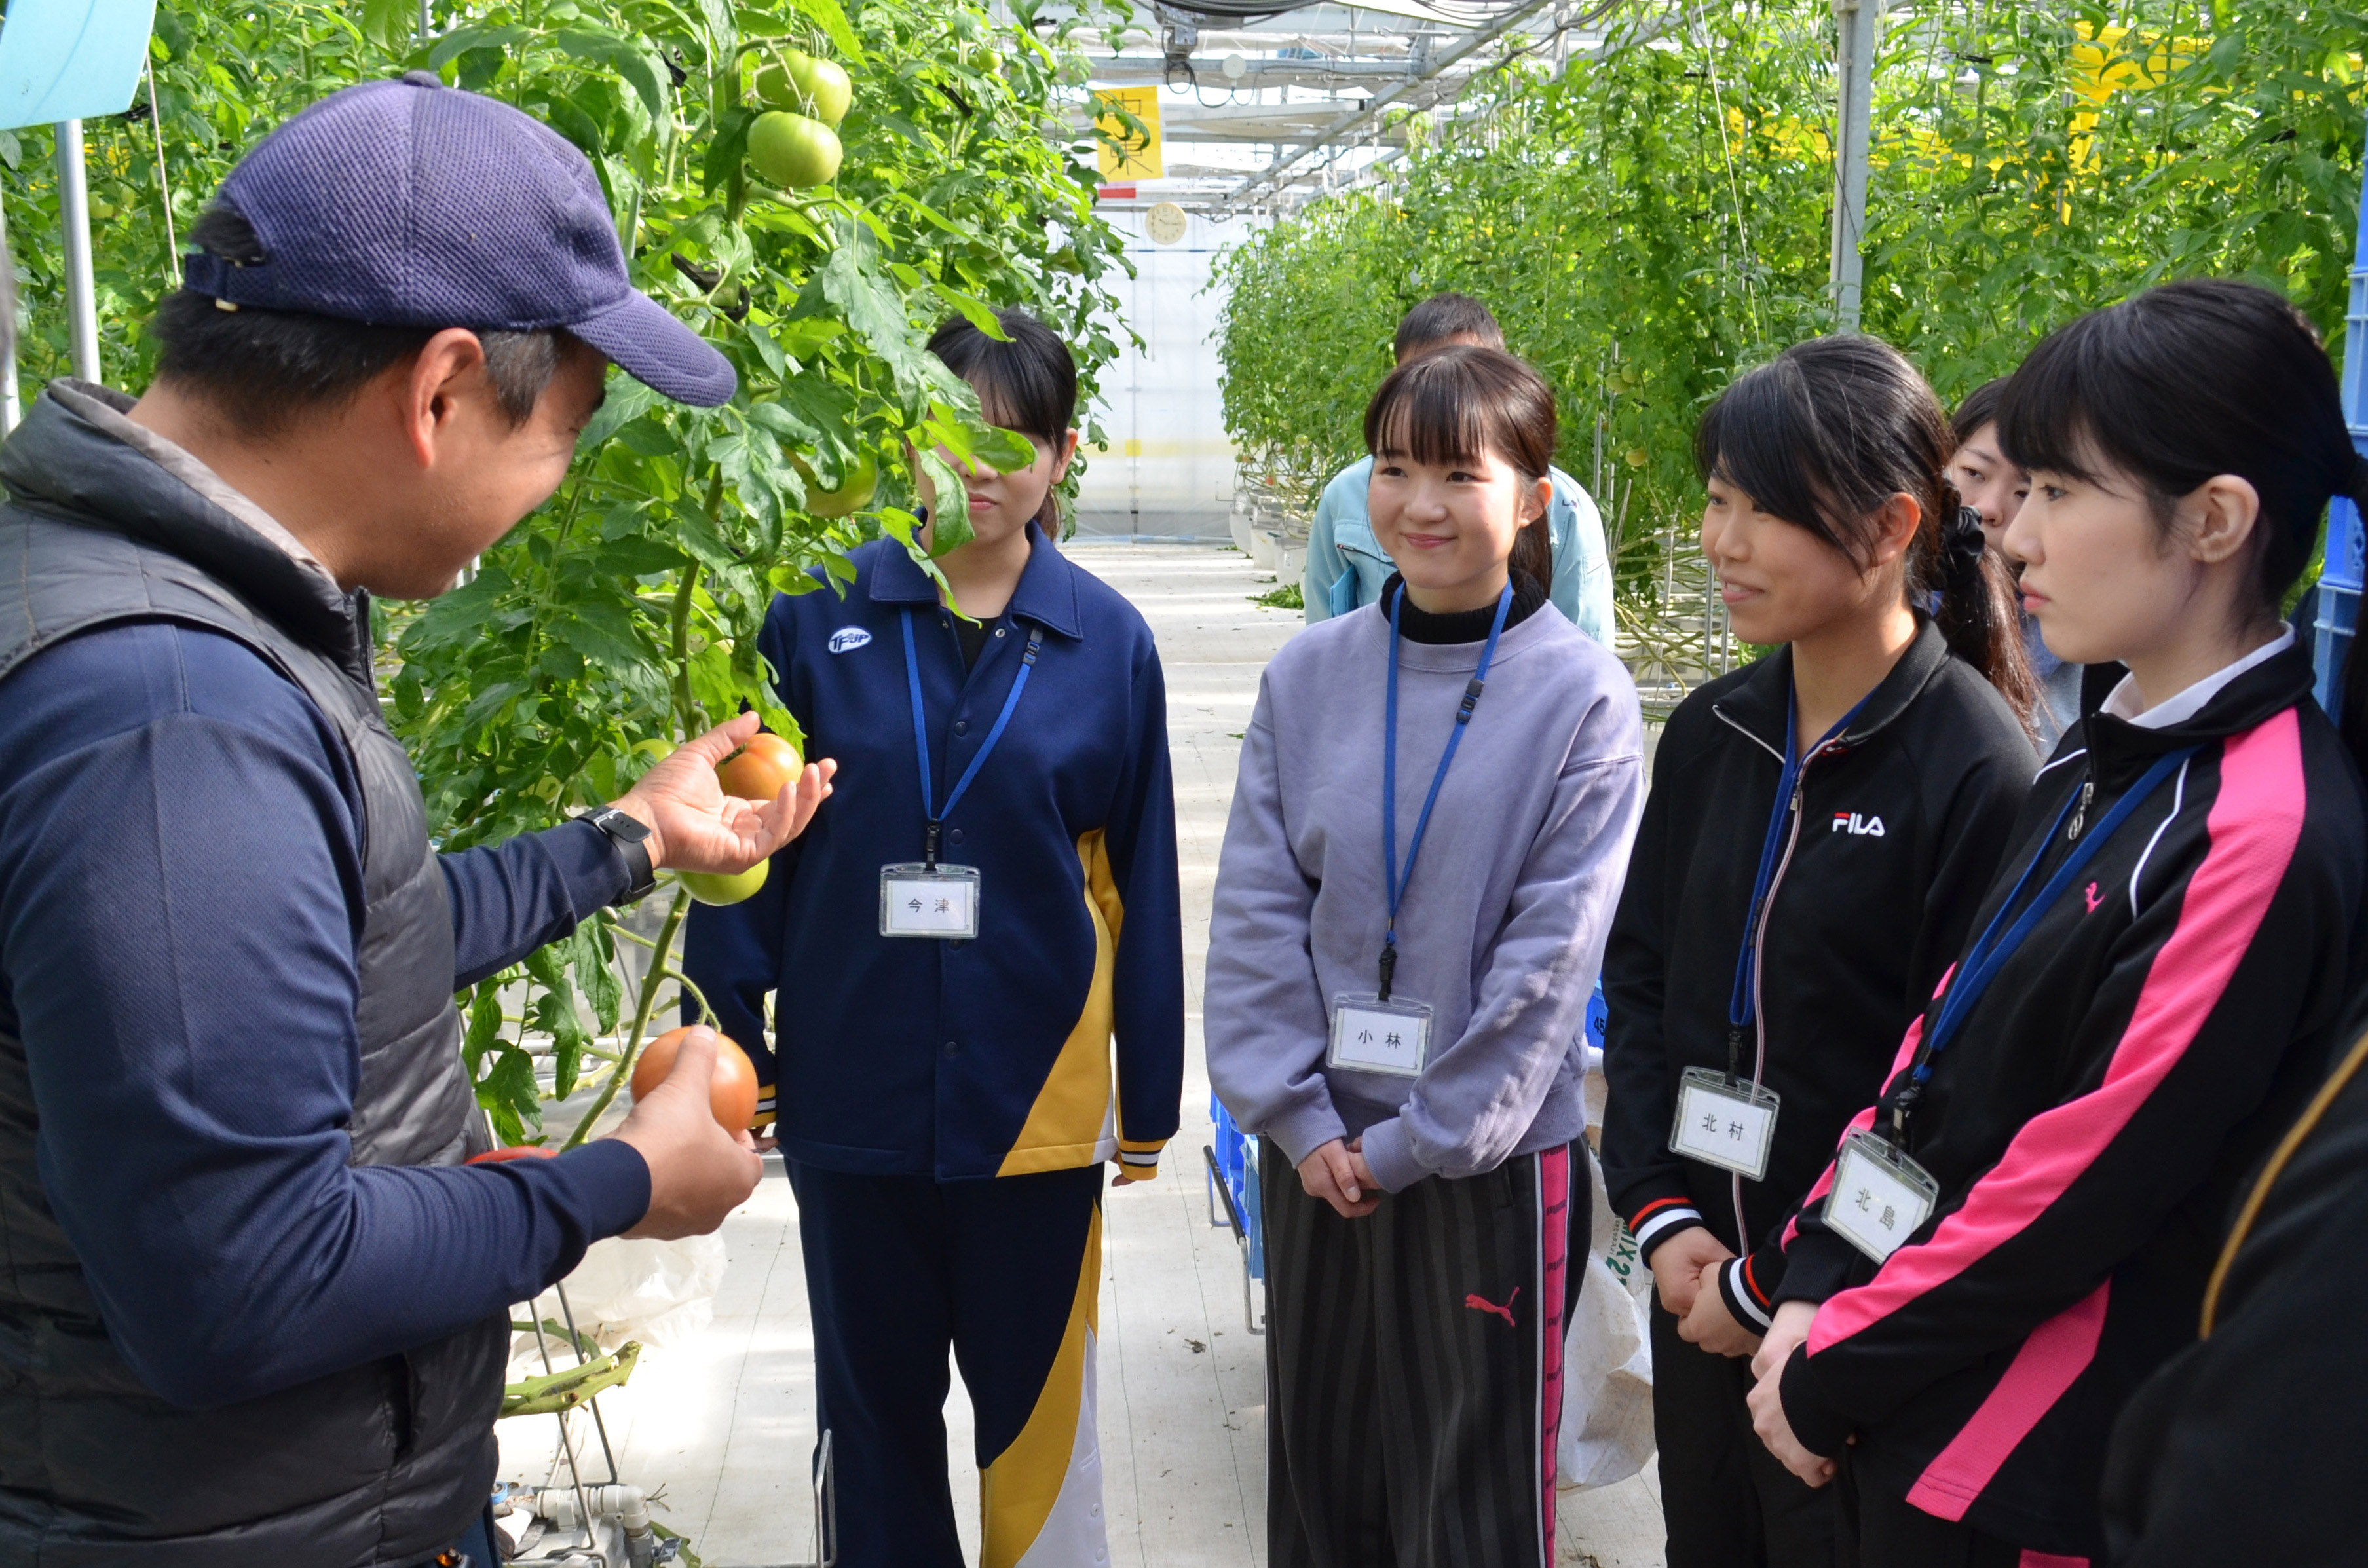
(631, 838)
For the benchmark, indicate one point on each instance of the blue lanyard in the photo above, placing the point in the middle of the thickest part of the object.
(929, 813)
(1990, 949)
(1395, 886)
(1740, 1008)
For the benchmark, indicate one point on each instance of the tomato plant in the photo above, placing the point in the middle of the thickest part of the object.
(623, 615)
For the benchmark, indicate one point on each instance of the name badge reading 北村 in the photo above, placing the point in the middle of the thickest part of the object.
(1726, 1121)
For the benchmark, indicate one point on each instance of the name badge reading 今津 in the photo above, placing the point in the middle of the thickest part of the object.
(929, 900)
(1880, 1198)
(1370, 1035)
(1724, 1121)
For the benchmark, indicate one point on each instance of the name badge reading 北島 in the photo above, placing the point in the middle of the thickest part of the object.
(1880, 1198)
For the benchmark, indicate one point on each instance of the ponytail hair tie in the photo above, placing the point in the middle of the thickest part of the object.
(1962, 544)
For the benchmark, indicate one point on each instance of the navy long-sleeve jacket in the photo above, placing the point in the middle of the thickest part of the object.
(992, 1057)
(179, 893)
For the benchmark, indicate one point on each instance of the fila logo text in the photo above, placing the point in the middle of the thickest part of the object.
(1856, 825)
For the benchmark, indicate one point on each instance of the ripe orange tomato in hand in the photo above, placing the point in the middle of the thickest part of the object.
(732, 1096)
(758, 770)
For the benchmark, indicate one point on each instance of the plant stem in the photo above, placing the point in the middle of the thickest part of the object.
(706, 1012)
(641, 1010)
(686, 716)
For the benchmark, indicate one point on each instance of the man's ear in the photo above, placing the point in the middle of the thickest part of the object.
(1064, 457)
(447, 375)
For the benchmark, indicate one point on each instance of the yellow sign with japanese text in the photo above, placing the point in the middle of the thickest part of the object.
(1137, 155)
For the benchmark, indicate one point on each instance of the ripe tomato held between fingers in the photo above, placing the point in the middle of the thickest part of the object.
(758, 770)
(731, 1096)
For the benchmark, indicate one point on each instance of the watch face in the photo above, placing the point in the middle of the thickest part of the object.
(1166, 222)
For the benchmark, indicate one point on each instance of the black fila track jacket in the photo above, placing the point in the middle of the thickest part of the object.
(1899, 827)
(2093, 1122)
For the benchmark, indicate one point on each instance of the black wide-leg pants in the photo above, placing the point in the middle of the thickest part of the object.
(1413, 1368)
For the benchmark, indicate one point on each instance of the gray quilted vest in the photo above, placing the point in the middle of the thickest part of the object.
(379, 1464)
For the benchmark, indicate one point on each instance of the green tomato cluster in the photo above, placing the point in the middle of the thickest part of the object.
(794, 143)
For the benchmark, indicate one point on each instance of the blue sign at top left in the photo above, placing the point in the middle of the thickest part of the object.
(71, 59)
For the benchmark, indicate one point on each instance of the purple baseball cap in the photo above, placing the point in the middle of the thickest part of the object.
(409, 203)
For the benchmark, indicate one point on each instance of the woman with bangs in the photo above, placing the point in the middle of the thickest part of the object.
(2157, 974)
(1822, 825)
(1435, 800)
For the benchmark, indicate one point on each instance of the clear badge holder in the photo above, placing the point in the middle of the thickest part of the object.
(929, 900)
(1370, 1035)
(1881, 1197)
(1724, 1121)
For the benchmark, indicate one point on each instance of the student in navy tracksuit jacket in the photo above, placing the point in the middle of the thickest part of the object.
(1791, 920)
(947, 1105)
(2089, 1100)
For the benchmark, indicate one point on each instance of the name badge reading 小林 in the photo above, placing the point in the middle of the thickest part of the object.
(1370, 1035)
(1724, 1121)
(1879, 1196)
(929, 900)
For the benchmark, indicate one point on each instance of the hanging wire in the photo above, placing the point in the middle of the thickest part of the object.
(1734, 191)
(164, 184)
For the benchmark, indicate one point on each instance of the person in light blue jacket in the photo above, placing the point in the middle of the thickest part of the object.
(1346, 566)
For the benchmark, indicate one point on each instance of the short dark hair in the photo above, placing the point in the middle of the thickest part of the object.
(1980, 408)
(1028, 384)
(265, 368)
(1442, 317)
(1455, 404)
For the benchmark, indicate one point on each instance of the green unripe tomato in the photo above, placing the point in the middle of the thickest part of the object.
(859, 483)
(795, 152)
(805, 84)
(713, 886)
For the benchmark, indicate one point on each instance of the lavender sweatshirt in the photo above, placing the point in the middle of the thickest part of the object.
(1502, 928)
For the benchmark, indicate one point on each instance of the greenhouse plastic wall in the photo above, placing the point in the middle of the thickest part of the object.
(2339, 582)
(1168, 471)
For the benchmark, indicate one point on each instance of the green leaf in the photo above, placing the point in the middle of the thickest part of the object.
(728, 146)
(976, 310)
(460, 40)
(623, 401)
(595, 975)
(633, 59)
(832, 21)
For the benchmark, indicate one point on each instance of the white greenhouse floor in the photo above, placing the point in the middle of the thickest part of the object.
(720, 1427)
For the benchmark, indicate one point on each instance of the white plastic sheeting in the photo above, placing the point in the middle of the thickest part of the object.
(1169, 470)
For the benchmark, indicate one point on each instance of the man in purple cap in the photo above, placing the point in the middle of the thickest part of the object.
(253, 1305)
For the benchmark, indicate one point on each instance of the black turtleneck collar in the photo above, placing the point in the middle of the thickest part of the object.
(1418, 625)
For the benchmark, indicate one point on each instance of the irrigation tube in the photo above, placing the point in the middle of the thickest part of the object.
(1472, 43)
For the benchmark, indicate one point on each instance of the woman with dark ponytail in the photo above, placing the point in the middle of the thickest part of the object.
(2023, 1224)
(1995, 488)
(1820, 828)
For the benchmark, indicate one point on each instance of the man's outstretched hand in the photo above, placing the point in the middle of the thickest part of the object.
(698, 1173)
(695, 826)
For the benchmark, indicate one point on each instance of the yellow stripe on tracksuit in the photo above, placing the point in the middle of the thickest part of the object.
(1040, 1501)
(1074, 1121)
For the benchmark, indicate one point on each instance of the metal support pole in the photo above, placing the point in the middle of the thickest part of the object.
(2339, 579)
(426, 23)
(1855, 21)
(74, 217)
(10, 409)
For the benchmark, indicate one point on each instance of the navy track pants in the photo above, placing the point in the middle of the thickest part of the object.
(1007, 1272)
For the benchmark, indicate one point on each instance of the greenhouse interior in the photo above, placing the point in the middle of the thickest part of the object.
(1233, 319)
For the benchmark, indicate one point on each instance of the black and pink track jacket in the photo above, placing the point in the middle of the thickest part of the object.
(2090, 1124)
